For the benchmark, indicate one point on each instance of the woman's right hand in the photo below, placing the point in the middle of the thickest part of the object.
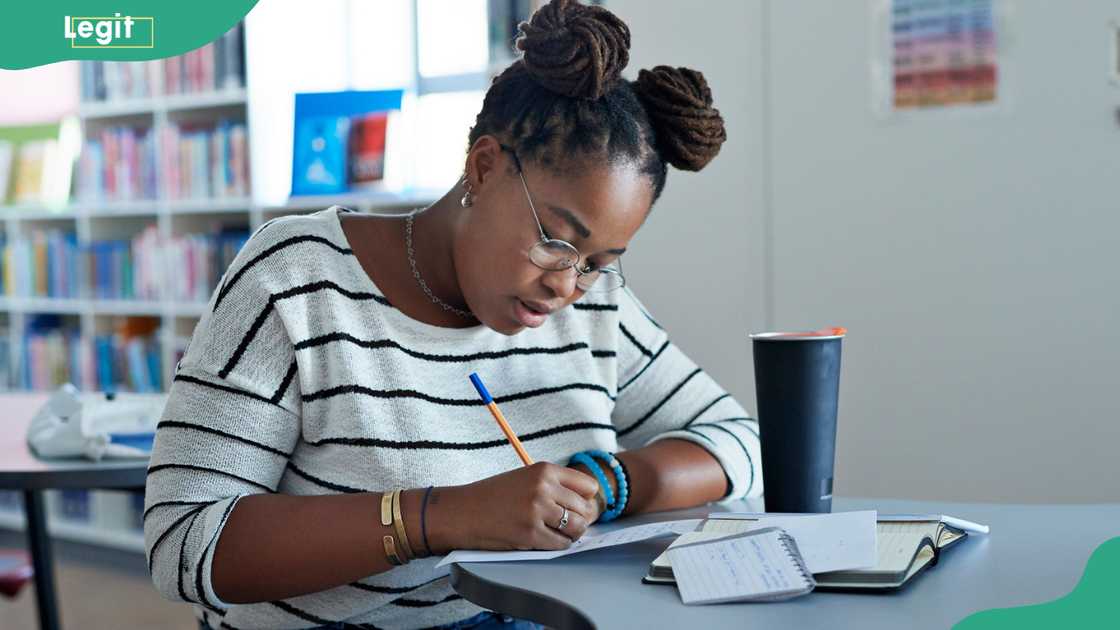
(521, 509)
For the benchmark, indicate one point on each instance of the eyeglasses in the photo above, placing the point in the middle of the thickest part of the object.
(553, 254)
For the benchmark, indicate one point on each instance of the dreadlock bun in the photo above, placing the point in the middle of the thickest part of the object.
(574, 50)
(679, 104)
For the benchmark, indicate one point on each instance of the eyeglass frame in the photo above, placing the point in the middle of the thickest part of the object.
(545, 238)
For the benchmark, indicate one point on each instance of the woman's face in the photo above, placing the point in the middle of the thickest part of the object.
(598, 210)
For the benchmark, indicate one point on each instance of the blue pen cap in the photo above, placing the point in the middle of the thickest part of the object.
(481, 388)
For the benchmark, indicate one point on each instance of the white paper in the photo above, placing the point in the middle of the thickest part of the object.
(828, 542)
(743, 567)
(591, 540)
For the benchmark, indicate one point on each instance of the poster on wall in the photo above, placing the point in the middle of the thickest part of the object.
(938, 55)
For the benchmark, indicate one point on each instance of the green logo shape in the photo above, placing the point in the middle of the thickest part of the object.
(1091, 604)
(112, 30)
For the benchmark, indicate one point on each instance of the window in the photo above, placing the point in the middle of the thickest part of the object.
(443, 53)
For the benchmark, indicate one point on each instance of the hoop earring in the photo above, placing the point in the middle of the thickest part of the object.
(468, 199)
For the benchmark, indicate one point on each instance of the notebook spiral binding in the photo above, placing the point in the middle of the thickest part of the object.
(790, 545)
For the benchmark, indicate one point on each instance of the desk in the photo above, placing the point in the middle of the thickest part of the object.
(1035, 553)
(21, 470)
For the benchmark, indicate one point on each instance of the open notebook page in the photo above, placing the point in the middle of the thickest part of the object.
(898, 541)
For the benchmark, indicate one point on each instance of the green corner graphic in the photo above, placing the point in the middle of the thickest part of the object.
(1092, 603)
(46, 31)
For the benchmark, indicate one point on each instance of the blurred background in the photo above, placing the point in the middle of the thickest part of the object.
(938, 176)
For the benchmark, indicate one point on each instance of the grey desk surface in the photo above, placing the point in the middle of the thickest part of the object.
(20, 469)
(1035, 553)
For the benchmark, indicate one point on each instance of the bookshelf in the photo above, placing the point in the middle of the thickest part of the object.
(143, 106)
(161, 111)
(172, 214)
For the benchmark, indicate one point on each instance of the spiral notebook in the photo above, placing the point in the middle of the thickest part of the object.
(760, 565)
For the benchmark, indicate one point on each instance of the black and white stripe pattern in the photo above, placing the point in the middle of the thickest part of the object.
(304, 379)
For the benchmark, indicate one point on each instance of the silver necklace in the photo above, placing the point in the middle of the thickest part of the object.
(416, 272)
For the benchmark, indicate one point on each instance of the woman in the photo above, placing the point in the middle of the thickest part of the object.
(331, 369)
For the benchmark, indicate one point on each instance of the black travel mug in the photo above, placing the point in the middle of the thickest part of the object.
(797, 384)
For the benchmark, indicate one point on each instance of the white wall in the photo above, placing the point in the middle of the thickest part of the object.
(698, 262)
(973, 258)
(43, 94)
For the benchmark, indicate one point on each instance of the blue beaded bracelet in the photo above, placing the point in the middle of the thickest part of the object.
(614, 511)
(585, 459)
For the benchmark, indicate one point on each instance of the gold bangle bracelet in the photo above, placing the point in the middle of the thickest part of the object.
(398, 526)
(391, 551)
(387, 509)
(387, 521)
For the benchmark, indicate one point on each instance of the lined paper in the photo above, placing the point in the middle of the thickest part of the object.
(754, 566)
(898, 542)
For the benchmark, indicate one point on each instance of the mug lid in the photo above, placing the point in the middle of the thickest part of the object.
(835, 332)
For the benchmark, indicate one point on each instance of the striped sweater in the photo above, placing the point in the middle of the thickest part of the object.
(302, 378)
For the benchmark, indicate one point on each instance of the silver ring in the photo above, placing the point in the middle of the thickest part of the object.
(563, 519)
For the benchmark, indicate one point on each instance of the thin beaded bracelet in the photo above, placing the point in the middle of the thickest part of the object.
(614, 511)
(584, 458)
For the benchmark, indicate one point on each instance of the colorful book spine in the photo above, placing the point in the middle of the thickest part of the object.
(49, 348)
(117, 80)
(217, 66)
(205, 161)
(202, 259)
(126, 362)
(118, 164)
(45, 264)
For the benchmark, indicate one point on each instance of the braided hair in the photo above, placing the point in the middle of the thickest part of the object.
(565, 104)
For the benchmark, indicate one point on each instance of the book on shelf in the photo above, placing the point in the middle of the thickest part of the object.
(216, 66)
(41, 172)
(125, 359)
(905, 546)
(5, 266)
(118, 80)
(53, 352)
(202, 259)
(5, 359)
(118, 164)
(205, 161)
(339, 140)
(112, 270)
(44, 264)
(129, 357)
(230, 58)
(7, 153)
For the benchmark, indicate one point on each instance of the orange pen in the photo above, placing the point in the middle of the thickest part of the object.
(497, 413)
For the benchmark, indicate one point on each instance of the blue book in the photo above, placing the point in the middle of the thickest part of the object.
(154, 373)
(319, 161)
(104, 348)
